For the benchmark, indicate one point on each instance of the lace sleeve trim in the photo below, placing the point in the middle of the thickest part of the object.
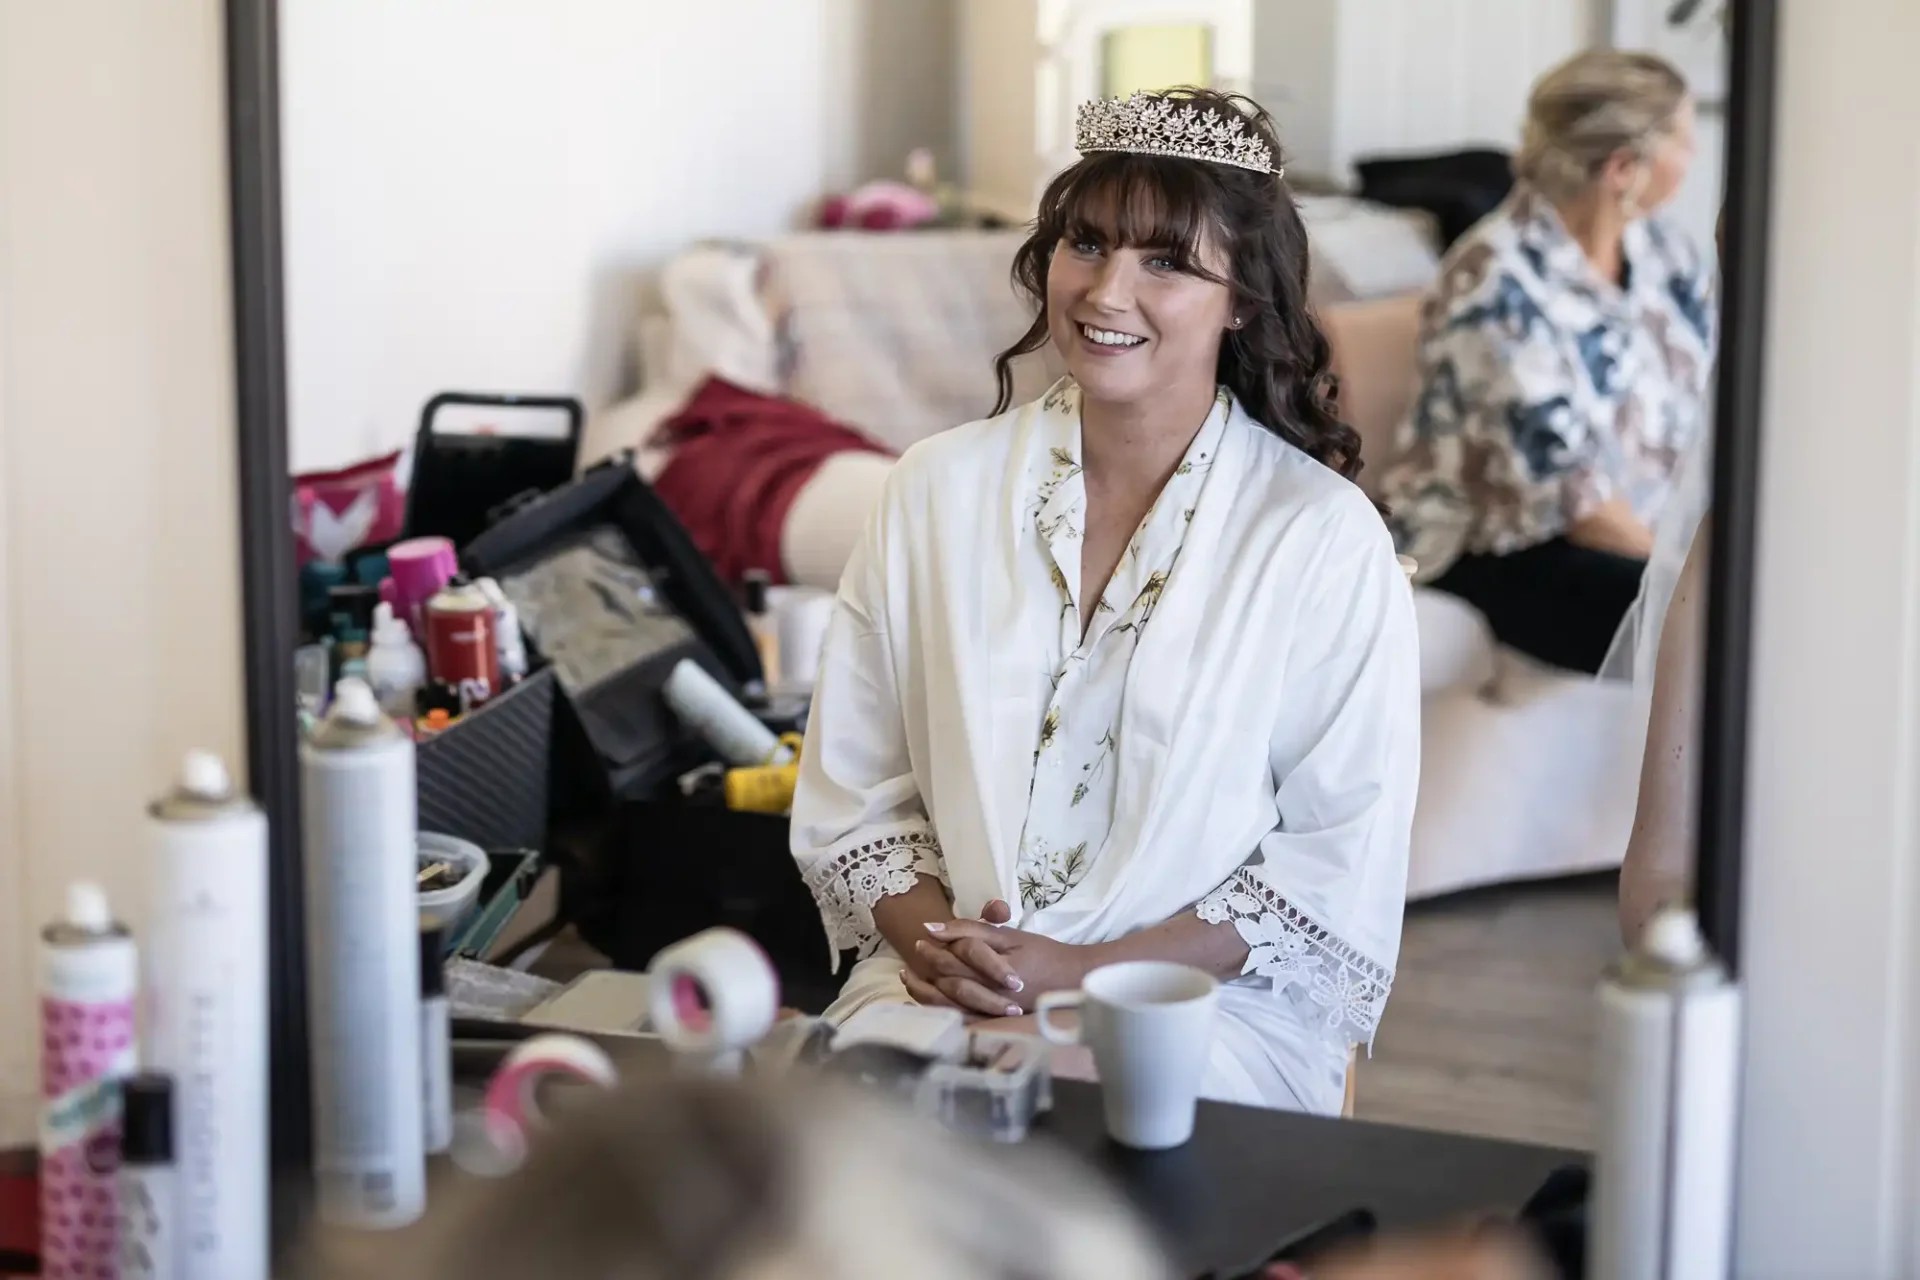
(1290, 947)
(848, 883)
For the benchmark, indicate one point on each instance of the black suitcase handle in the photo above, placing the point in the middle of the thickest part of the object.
(462, 479)
(575, 411)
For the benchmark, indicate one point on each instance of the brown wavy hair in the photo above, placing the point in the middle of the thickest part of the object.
(1278, 363)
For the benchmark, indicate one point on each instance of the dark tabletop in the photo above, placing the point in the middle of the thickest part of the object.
(1251, 1179)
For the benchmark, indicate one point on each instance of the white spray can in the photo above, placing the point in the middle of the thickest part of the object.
(206, 1002)
(1668, 1094)
(704, 705)
(363, 964)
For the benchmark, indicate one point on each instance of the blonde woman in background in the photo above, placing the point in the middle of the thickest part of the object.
(709, 1179)
(1564, 360)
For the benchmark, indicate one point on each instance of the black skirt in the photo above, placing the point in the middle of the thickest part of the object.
(1554, 601)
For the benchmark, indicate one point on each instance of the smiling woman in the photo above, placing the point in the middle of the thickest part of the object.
(1215, 250)
(1129, 672)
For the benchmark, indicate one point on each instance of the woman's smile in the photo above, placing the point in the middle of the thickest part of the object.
(1109, 342)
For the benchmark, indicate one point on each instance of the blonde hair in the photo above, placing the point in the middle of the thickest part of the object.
(1589, 107)
(789, 1179)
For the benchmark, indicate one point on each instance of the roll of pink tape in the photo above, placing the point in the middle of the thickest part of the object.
(510, 1112)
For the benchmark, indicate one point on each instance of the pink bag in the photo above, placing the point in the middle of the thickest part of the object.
(335, 512)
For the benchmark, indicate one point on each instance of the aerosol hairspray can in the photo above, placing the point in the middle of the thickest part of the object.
(206, 1002)
(363, 964)
(89, 976)
(1667, 1089)
(462, 649)
(150, 1201)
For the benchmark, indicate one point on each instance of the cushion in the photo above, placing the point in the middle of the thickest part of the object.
(1537, 781)
(1362, 249)
(1457, 648)
(894, 333)
(1374, 353)
(828, 515)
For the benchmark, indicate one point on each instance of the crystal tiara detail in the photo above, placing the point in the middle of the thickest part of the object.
(1152, 125)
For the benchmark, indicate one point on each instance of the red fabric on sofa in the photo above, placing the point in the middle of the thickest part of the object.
(738, 460)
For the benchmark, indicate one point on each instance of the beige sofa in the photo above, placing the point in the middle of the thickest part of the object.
(1526, 773)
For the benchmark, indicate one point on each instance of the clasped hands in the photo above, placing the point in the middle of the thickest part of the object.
(983, 968)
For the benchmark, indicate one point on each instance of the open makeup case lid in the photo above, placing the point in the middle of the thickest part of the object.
(613, 593)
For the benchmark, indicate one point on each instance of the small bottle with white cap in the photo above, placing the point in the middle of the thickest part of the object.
(396, 667)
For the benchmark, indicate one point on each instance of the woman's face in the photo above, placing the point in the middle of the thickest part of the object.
(1659, 174)
(1129, 324)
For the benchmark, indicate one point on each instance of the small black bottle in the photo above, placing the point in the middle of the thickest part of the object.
(149, 1227)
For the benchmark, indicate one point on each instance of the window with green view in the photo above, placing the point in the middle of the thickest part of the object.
(1156, 57)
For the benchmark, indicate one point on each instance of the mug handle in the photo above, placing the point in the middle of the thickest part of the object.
(1049, 1001)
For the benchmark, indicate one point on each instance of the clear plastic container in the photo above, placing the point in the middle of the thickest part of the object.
(449, 908)
(1003, 1082)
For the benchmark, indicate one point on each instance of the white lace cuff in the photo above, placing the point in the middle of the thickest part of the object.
(1293, 949)
(848, 883)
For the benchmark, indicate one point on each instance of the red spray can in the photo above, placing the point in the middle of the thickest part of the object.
(462, 649)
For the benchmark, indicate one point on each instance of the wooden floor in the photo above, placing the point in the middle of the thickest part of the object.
(1490, 1028)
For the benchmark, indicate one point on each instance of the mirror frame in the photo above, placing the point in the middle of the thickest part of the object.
(269, 582)
(1740, 380)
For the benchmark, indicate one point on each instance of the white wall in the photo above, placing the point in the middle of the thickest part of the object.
(119, 598)
(999, 47)
(476, 189)
(1296, 76)
(1350, 78)
(1829, 1144)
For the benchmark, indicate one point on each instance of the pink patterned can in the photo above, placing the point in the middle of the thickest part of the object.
(89, 975)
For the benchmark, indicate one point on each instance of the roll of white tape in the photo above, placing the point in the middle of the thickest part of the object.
(713, 995)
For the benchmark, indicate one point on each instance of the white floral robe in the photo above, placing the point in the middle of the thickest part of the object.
(1084, 679)
(1240, 726)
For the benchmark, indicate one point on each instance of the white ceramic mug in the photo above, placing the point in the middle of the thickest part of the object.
(1149, 1024)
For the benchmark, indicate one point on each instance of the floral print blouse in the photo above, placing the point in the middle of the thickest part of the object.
(1070, 806)
(1545, 390)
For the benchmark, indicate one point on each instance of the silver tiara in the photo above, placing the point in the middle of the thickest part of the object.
(1152, 125)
